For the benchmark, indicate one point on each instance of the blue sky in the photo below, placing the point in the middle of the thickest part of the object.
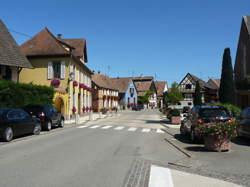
(166, 38)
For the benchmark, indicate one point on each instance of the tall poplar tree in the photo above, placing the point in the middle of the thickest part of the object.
(227, 87)
(197, 94)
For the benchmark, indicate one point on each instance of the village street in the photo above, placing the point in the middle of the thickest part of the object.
(129, 149)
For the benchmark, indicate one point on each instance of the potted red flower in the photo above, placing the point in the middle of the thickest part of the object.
(217, 135)
(81, 85)
(55, 82)
(75, 83)
(74, 109)
(83, 109)
(175, 116)
(87, 109)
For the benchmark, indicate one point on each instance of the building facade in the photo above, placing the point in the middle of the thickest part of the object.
(242, 64)
(60, 63)
(161, 87)
(104, 95)
(127, 91)
(12, 61)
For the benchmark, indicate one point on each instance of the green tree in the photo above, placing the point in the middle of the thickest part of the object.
(145, 99)
(227, 87)
(197, 95)
(174, 95)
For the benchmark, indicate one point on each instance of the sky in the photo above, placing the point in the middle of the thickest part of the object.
(161, 38)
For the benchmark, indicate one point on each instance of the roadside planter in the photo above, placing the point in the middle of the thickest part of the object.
(217, 136)
(175, 116)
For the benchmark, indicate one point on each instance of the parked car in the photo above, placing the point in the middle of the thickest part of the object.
(48, 115)
(201, 115)
(243, 128)
(17, 122)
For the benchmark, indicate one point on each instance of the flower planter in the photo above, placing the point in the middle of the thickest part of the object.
(55, 83)
(176, 120)
(75, 83)
(215, 143)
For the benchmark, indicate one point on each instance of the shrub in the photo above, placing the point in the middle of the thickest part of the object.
(18, 95)
(234, 110)
(174, 112)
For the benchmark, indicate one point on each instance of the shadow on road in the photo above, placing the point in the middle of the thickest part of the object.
(154, 121)
(198, 148)
(241, 141)
(183, 139)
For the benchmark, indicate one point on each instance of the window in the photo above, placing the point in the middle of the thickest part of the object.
(13, 115)
(188, 86)
(57, 69)
(188, 96)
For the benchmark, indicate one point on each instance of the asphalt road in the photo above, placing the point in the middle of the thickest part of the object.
(89, 157)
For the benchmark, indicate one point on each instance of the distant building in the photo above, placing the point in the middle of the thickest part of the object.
(104, 94)
(161, 87)
(12, 59)
(242, 64)
(187, 87)
(127, 91)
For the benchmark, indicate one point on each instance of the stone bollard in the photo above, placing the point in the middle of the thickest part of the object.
(91, 116)
(77, 119)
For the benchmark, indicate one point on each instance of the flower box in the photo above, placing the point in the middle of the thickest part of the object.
(82, 86)
(55, 82)
(75, 83)
(83, 109)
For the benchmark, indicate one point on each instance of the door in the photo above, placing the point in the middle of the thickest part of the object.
(27, 121)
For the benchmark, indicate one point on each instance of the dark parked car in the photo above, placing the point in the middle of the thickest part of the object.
(243, 128)
(186, 109)
(48, 115)
(17, 122)
(201, 115)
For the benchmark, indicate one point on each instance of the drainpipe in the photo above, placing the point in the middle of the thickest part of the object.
(19, 69)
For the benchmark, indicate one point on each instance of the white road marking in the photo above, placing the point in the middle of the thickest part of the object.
(119, 128)
(94, 127)
(146, 130)
(160, 177)
(159, 131)
(83, 126)
(132, 129)
(106, 127)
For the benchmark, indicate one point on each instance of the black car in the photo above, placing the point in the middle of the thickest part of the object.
(201, 115)
(243, 128)
(48, 115)
(17, 122)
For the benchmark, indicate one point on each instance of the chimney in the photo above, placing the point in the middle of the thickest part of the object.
(59, 36)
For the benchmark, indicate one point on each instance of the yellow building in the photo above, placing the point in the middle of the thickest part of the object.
(60, 63)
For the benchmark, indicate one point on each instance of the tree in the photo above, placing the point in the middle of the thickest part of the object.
(174, 95)
(145, 99)
(197, 94)
(227, 87)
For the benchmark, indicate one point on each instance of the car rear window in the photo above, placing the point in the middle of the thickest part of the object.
(214, 113)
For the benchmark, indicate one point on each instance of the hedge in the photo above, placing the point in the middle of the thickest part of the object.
(234, 110)
(18, 95)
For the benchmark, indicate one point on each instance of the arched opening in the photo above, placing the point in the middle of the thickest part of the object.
(59, 104)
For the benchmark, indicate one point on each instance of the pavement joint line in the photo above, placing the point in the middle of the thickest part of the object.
(177, 147)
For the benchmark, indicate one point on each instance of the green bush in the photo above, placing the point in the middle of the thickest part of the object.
(174, 112)
(234, 110)
(18, 95)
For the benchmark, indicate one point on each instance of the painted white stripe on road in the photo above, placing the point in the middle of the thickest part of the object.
(132, 129)
(119, 128)
(146, 130)
(83, 126)
(94, 127)
(159, 131)
(106, 127)
(160, 177)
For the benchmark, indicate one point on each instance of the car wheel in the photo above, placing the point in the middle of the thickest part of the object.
(37, 129)
(61, 124)
(192, 136)
(8, 134)
(48, 126)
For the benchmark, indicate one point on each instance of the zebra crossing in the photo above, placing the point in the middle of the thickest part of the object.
(120, 128)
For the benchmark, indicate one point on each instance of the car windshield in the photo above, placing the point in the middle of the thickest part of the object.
(214, 113)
